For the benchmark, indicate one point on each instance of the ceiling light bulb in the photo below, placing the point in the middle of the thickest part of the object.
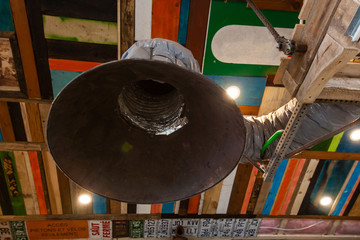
(233, 91)
(326, 201)
(84, 198)
(355, 135)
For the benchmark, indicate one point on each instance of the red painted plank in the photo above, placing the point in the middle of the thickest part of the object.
(249, 190)
(71, 65)
(156, 208)
(292, 187)
(350, 197)
(284, 187)
(34, 162)
(165, 19)
(193, 207)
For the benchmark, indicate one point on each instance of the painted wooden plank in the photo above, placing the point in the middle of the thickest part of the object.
(13, 183)
(32, 182)
(177, 207)
(351, 195)
(143, 209)
(197, 28)
(239, 47)
(345, 190)
(249, 190)
(44, 109)
(71, 65)
(52, 183)
(115, 207)
(61, 78)
(211, 199)
(251, 88)
(239, 188)
(65, 192)
(25, 45)
(106, 11)
(79, 208)
(80, 30)
(26, 183)
(255, 194)
(168, 207)
(183, 21)
(58, 49)
(156, 208)
(329, 155)
(131, 208)
(5, 202)
(225, 193)
(39, 45)
(262, 197)
(34, 122)
(98, 204)
(34, 162)
(280, 5)
(249, 110)
(354, 210)
(143, 11)
(201, 203)
(283, 188)
(5, 123)
(124, 208)
(17, 121)
(294, 183)
(22, 146)
(184, 205)
(194, 204)
(274, 187)
(6, 22)
(127, 20)
(165, 19)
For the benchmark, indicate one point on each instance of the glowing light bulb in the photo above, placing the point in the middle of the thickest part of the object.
(84, 199)
(326, 201)
(233, 91)
(355, 135)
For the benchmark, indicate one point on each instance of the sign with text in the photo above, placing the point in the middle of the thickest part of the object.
(64, 229)
(100, 229)
(5, 232)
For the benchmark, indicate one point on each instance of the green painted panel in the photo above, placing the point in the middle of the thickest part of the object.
(13, 183)
(136, 229)
(80, 30)
(225, 13)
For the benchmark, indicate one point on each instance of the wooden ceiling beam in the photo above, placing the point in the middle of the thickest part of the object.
(328, 155)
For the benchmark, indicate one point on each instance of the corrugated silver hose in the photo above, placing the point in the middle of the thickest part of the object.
(321, 119)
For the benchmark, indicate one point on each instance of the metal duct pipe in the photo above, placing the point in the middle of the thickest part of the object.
(321, 119)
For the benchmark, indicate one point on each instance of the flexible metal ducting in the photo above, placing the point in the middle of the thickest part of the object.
(321, 119)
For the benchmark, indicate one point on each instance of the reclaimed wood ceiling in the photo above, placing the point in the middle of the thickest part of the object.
(49, 44)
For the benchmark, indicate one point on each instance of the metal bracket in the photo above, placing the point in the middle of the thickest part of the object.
(286, 139)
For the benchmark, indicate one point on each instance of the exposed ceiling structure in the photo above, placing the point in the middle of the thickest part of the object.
(44, 44)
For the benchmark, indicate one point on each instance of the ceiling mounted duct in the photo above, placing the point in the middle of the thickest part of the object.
(149, 129)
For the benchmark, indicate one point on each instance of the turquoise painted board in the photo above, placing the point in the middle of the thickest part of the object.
(60, 79)
(6, 22)
(233, 29)
(1, 137)
(275, 187)
(183, 22)
(347, 191)
(99, 204)
(251, 88)
(168, 208)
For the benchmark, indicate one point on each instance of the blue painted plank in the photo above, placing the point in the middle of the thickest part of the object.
(275, 187)
(168, 207)
(347, 190)
(251, 88)
(1, 137)
(60, 79)
(6, 22)
(99, 204)
(183, 22)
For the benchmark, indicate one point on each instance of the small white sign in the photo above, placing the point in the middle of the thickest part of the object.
(150, 228)
(100, 229)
